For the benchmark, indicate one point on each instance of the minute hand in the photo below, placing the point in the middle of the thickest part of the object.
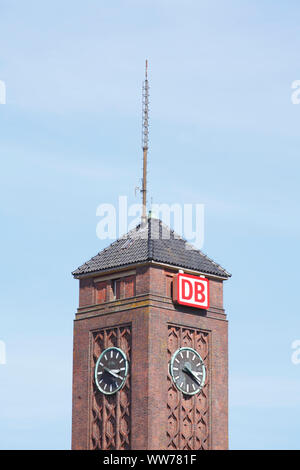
(192, 373)
(112, 373)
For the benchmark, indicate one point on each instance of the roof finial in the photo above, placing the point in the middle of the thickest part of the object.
(145, 135)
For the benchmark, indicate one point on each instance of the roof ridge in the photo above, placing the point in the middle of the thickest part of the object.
(150, 241)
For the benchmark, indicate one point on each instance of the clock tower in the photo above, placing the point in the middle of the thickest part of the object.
(150, 346)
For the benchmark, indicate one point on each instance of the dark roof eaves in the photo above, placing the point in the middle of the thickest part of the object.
(94, 273)
(118, 267)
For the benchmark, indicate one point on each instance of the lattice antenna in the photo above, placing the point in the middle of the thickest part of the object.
(145, 141)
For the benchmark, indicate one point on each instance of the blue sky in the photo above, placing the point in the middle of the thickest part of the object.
(223, 132)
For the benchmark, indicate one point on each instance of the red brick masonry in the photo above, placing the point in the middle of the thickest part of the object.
(148, 414)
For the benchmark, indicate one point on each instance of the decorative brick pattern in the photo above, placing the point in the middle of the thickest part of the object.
(188, 416)
(110, 425)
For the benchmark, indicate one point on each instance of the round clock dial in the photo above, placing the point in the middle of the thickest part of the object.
(187, 370)
(111, 370)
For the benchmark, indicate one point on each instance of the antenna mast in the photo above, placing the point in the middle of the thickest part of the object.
(145, 139)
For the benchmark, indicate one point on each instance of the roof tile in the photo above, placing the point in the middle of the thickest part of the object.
(153, 241)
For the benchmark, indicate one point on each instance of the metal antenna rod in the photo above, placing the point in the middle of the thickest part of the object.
(145, 139)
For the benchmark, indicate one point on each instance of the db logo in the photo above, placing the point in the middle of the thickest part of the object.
(191, 290)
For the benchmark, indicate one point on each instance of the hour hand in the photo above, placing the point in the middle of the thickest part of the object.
(112, 372)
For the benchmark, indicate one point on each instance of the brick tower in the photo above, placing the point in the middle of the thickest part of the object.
(129, 310)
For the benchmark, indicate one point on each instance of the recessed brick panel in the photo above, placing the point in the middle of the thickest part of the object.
(110, 415)
(101, 292)
(188, 426)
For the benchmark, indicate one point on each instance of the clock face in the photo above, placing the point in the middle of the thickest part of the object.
(187, 370)
(111, 370)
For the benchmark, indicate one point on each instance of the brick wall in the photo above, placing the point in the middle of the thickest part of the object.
(96, 292)
(149, 315)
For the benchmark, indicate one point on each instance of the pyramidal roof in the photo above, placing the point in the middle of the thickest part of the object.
(152, 241)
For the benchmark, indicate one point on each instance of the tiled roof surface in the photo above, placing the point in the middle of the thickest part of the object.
(153, 241)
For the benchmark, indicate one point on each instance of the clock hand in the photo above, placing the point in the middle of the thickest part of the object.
(195, 374)
(112, 373)
(187, 370)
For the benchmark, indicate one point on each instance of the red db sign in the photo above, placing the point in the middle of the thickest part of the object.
(191, 290)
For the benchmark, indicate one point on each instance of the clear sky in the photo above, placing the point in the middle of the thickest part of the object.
(223, 132)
